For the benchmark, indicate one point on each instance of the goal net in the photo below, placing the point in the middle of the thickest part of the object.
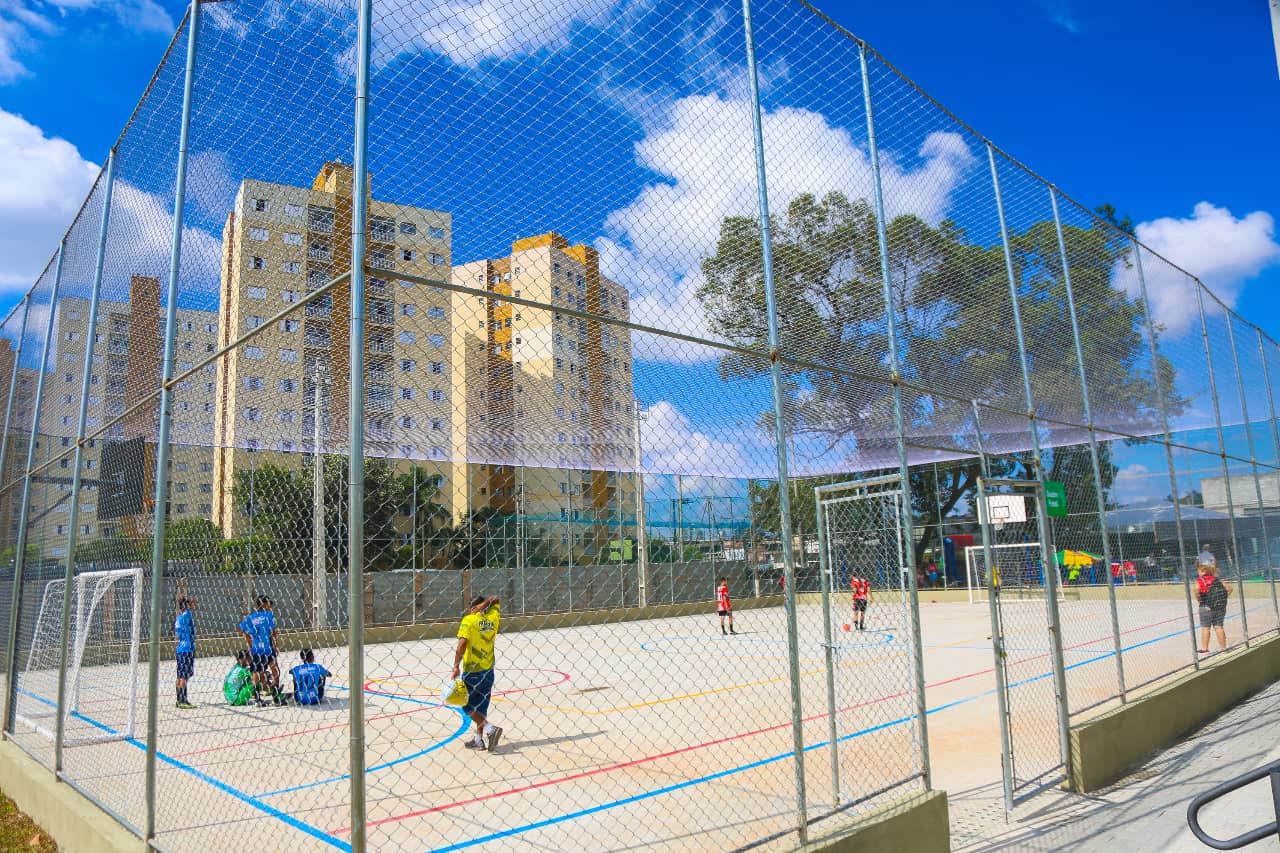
(103, 641)
(1019, 571)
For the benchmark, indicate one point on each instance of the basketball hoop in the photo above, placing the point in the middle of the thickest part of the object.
(999, 515)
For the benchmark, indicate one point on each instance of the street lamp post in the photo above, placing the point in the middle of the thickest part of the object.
(319, 594)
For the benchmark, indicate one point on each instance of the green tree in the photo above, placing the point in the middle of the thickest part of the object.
(194, 539)
(955, 335)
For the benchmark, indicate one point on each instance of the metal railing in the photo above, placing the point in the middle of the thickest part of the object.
(1268, 771)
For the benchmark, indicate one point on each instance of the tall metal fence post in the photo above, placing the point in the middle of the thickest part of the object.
(779, 430)
(1233, 558)
(828, 643)
(1046, 546)
(24, 508)
(166, 423)
(25, 305)
(899, 418)
(73, 515)
(993, 612)
(642, 533)
(1093, 438)
(355, 409)
(1253, 463)
(1275, 438)
(1184, 567)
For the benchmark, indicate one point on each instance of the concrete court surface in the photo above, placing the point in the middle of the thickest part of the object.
(661, 734)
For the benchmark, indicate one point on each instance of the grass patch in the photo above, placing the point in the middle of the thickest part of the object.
(19, 832)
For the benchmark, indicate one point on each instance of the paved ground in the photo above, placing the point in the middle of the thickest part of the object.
(1147, 810)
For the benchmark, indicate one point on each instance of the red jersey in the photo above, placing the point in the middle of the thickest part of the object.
(861, 587)
(1203, 583)
(722, 597)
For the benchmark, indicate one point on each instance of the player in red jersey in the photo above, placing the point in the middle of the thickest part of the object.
(861, 598)
(724, 607)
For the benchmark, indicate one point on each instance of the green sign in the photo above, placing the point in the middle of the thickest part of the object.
(1055, 499)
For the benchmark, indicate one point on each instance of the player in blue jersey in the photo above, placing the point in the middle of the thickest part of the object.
(259, 630)
(184, 629)
(308, 680)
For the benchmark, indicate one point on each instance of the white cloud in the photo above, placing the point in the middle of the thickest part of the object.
(21, 23)
(472, 31)
(705, 163)
(1222, 250)
(670, 445)
(43, 182)
(1059, 12)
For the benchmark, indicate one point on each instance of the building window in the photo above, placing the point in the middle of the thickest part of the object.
(257, 263)
(435, 232)
(437, 367)
(291, 267)
(380, 260)
(437, 424)
(407, 337)
(288, 296)
(293, 210)
(406, 422)
(437, 396)
(253, 353)
(288, 386)
(288, 325)
(253, 321)
(435, 340)
(406, 393)
(408, 309)
(406, 254)
(256, 292)
(261, 205)
(292, 238)
(382, 229)
(408, 365)
(408, 228)
(435, 312)
(286, 416)
(435, 259)
(289, 356)
(252, 415)
(259, 234)
(320, 219)
(437, 452)
(253, 383)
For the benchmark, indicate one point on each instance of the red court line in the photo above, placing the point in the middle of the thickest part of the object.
(637, 761)
(344, 725)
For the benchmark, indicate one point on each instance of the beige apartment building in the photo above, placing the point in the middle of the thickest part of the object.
(126, 367)
(549, 395)
(281, 243)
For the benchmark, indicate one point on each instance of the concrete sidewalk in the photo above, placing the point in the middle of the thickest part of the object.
(1147, 810)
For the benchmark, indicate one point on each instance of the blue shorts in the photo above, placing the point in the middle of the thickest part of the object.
(186, 664)
(479, 688)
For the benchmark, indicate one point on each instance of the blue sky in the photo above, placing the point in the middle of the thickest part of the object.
(1171, 118)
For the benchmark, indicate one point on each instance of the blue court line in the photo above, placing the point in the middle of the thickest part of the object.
(465, 723)
(783, 755)
(292, 821)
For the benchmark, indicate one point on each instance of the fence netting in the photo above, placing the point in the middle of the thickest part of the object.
(723, 507)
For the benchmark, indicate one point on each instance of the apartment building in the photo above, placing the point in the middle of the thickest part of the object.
(125, 370)
(549, 394)
(282, 243)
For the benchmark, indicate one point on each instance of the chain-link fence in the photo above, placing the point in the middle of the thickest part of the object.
(654, 338)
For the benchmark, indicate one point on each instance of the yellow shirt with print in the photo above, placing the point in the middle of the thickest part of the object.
(479, 630)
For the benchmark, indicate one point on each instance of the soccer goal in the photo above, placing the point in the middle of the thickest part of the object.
(102, 656)
(1019, 571)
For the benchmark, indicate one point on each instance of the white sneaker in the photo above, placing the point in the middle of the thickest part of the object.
(492, 736)
(474, 743)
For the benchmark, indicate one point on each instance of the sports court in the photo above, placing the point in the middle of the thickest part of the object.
(662, 733)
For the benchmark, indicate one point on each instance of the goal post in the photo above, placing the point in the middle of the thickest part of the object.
(103, 643)
(1019, 571)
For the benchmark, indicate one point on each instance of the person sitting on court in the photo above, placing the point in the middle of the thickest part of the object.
(308, 679)
(237, 687)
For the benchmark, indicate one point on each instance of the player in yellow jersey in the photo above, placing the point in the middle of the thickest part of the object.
(473, 657)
